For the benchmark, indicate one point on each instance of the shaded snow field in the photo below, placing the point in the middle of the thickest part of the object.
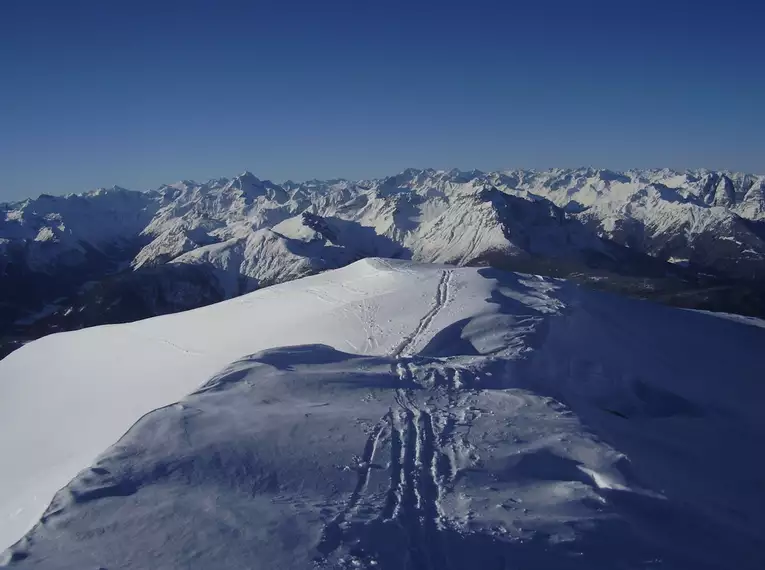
(390, 415)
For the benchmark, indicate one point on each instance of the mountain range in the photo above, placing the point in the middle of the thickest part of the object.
(692, 238)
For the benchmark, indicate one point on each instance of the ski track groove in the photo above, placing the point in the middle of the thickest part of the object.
(366, 465)
(393, 499)
(421, 459)
(413, 462)
(431, 491)
(332, 535)
(419, 492)
(443, 294)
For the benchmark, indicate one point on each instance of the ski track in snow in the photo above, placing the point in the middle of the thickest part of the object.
(408, 343)
(469, 459)
(169, 343)
(421, 470)
(422, 467)
(422, 460)
(332, 534)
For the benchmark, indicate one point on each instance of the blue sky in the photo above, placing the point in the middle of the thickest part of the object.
(140, 93)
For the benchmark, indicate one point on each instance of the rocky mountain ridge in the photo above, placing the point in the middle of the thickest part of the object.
(136, 254)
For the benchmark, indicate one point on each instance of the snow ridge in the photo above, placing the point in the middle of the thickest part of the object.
(484, 419)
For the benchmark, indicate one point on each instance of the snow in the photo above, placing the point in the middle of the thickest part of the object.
(390, 415)
(428, 215)
(94, 396)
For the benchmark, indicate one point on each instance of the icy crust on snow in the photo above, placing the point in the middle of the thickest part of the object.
(391, 415)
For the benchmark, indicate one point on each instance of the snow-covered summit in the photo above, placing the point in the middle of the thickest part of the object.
(390, 415)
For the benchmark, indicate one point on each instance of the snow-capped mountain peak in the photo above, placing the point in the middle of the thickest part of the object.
(586, 222)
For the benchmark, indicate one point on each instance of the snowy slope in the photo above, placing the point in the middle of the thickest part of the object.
(244, 233)
(390, 415)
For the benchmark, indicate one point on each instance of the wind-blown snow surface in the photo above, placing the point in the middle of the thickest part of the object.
(390, 415)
